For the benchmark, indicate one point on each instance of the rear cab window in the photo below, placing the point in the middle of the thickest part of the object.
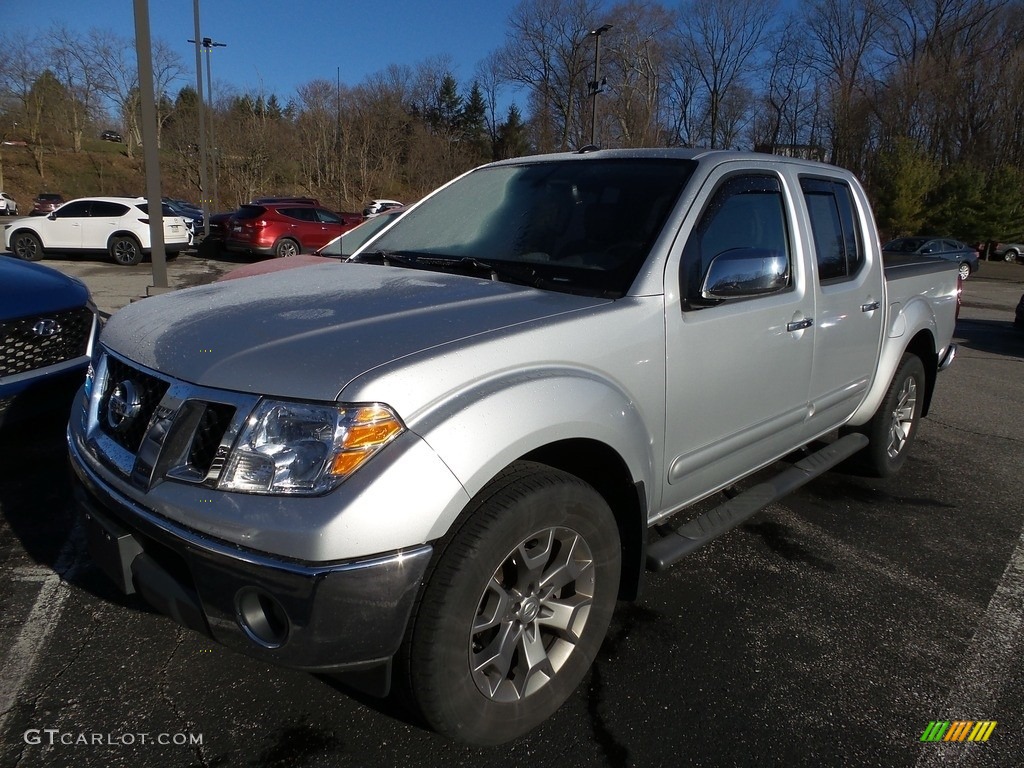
(838, 242)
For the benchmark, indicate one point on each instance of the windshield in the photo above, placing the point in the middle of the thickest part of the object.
(579, 226)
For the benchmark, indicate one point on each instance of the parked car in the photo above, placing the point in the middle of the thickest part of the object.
(193, 217)
(339, 248)
(375, 207)
(283, 229)
(117, 226)
(1010, 252)
(46, 202)
(47, 328)
(111, 136)
(938, 247)
(8, 205)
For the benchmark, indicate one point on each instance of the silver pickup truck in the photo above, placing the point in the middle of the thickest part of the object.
(443, 460)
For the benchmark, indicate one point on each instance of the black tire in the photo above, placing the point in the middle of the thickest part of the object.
(1010, 256)
(535, 564)
(892, 429)
(27, 246)
(125, 250)
(965, 270)
(285, 248)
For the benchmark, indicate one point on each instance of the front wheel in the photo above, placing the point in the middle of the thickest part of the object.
(515, 608)
(27, 246)
(126, 251)
(892, 429)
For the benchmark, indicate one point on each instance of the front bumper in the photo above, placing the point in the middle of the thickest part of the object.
(318, 617)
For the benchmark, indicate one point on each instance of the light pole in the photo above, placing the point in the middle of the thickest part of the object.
(595, 85)
(206, 201)
(208, 45)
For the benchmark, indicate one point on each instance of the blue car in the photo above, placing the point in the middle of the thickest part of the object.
(48, 325)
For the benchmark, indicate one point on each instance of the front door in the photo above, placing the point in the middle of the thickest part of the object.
(737, 370)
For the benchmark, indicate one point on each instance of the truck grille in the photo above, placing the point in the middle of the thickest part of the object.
(38, 341)
(149, 391)
(170, 429)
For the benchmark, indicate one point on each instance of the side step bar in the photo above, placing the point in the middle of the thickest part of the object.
(695, 533)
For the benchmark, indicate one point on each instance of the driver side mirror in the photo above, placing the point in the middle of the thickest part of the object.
(52, 215)
(741, 273)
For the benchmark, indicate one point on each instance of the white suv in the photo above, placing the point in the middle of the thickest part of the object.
(8, 205)
(118, 226)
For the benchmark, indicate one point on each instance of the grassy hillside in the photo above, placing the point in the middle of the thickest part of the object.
(101, 168)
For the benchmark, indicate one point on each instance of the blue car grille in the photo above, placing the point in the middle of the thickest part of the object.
(38, 341)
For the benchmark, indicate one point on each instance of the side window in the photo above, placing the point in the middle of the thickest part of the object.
(104, 209)
(837, 238)
(302, 214)
(74, 210)
(746, 214)
(326, 217)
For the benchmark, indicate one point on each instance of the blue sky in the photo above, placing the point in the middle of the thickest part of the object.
(276, 45)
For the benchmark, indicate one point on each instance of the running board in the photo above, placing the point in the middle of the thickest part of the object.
(697, 532)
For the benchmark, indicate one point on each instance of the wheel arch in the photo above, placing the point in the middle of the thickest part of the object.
(602, 467)
(23, 230)
(126, 233)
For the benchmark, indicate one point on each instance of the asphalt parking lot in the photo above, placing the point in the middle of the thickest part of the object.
(829, 630)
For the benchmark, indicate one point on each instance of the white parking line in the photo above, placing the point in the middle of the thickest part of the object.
(991, 658)
(41, 620)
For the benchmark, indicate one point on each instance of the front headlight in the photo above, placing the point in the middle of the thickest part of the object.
(308, 449)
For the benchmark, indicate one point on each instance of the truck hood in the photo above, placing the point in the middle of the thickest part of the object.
(305, 333)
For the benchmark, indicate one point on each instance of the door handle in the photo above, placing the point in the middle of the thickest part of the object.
(799, 325)
(870, 307)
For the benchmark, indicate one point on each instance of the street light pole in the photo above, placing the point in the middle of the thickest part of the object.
(206, 201)
(208, 45)
(595, 86)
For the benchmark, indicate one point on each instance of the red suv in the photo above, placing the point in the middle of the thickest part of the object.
(283, 229)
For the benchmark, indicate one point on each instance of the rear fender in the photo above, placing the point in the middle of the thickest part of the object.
(912, 328)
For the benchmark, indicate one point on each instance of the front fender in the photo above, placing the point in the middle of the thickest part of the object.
(479, 431)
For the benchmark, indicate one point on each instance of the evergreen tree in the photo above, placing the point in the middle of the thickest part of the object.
(512, 136)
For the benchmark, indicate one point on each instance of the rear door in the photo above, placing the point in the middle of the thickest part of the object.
(105, 218)
(849, 296)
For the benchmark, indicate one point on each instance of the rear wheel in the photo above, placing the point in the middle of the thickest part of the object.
(125, 250)
(515, 608)
(892, 429)
(285, 248)
(965, 270)
(27, 246)
(1010, 256)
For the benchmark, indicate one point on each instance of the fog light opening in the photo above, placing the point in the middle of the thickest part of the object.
(262, 618)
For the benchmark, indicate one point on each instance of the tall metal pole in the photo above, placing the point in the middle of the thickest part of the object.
(208, 45)
(204, 189)
(595, 87)
(151, 155)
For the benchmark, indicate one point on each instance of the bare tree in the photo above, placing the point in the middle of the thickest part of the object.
(75, 66)
(547, 51)
(721, 39)
(636, 64)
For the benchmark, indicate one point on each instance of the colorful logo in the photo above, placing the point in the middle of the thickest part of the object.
(958, 730)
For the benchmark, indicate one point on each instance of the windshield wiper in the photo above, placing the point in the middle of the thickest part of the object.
(387, 258)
